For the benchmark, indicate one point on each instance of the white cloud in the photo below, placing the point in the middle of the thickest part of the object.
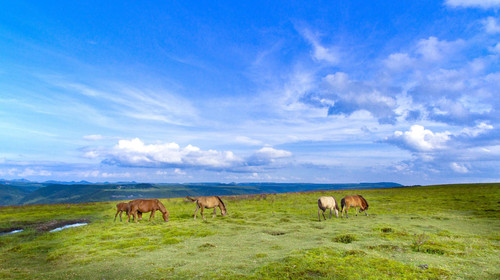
(432, 49)
(29, 172)
(268, 156)
(420, 139)
(338, 81)
(320, 52)
(115, 175)
(94, 137)
(477, 130)
(495, 49)
(491, 25)
(459, 168)
(271, 153)
(248, 141)
(485, 4)
(178, 171)
(136, 153)
(398, 61)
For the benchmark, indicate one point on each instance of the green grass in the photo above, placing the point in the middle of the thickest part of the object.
(433, 232)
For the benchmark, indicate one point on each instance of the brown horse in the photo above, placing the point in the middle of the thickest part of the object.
(125, 207)
(354, 201)
(208, 202)
(147, 205)
(327, 202)
(122, 207)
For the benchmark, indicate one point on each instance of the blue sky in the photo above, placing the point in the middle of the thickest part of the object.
(250, 91)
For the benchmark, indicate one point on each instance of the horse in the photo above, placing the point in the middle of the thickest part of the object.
(208, 202)
(147, 205)
(354, 201)
(327, 202)
(125, 207)
(122, 207)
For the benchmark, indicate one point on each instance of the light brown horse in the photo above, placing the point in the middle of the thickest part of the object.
(327, 202)
(147, 205)
(208, 202)
(125, 207)
(354, 201)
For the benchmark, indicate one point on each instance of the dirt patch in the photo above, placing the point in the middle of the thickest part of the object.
(45, 226)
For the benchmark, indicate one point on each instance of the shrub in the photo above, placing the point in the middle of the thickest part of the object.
(344, 238)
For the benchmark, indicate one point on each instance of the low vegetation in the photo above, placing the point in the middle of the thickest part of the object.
(432, 232)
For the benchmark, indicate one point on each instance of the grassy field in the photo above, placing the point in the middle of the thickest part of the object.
(432, 232)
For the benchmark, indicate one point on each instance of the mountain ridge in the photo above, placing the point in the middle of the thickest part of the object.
(25, 192)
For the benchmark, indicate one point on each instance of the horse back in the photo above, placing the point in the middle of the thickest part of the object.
(144, 205)
(327, 202)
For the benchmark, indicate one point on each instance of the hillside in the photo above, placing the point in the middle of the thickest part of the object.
(431, 232)
(53, 192)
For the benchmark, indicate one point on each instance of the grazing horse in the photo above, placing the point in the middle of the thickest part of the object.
(354, 201)
(125, 207)
(120, 208)
(208, 202)
(327, 202)
(147, 205)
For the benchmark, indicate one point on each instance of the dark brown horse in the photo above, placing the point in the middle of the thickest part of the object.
(147, 205)
(208, 202)
(354, 201)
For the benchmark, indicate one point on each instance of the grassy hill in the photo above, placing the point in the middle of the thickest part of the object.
(23, 193)
(432, 232)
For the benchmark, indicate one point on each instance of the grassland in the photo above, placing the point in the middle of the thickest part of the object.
(432, 232)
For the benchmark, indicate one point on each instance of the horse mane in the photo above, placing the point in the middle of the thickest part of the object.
(192, 199)
(220, 200)
(162, 207)
(365, 203)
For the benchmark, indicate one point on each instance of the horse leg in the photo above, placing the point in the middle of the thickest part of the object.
(356, 211)
(152, 215)
(215, 212)
(330, 213)
(129, 213)
(117, 215)
(196, 211)
(120, 216)
(201, 212)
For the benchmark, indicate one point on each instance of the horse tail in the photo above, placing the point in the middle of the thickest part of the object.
(220, 200)
(192, 199)
(364, 202)
(342, 203)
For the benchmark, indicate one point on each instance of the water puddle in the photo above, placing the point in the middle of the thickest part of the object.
(11, 232)
(69, 226)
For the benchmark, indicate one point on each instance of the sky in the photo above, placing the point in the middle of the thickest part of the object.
(250, 91)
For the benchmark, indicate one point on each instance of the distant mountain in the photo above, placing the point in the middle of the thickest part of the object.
(26, 192)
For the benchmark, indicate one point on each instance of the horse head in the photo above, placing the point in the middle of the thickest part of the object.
(222, 207)
(164, 211)
(165, 216)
